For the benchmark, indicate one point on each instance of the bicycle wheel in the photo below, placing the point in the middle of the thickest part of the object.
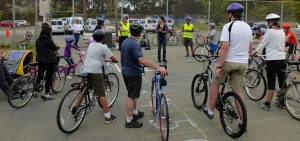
(111, 89)
(59, 79)
(199, 91)
(230, 116)
(255, 85)
(154, 40)
(21, 91)
(110, 68)
(173, 41)
(153, 96)
(292, 100)
(200, 52)
(71, 111)
(298, 66)
(164, 118)
(199, 40)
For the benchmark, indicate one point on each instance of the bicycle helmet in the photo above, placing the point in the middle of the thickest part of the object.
(100, 21)
(136, 28)
(46, 27)
(256, 27)
(188, 18)
(69, 39)
(286, 26)
(163, 82)
(125, 16)
(212, 24)
(273, 17)
(99, 35)
(235, 7)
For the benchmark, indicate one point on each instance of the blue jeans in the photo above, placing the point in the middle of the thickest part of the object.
(77, 37)
(161, 42)
(70, 63)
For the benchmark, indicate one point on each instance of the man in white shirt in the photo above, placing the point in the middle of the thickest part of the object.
(77, 28)
(236, 48)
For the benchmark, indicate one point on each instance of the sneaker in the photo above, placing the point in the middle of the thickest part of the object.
(186, 55)
(264, 106)
(279, 105)
(35, 95)
(205, 110)
(111, 119)
(164, 60)
(69, 77)
(133, 124)
(138, 116)
(47, 98)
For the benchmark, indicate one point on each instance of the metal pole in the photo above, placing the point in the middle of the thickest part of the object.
(36, 18)
(122, 11)
(281, 13)
(14, 21)
(116, 17)
(167, 13)
(246, 11)
(208, 17)
(73, 14)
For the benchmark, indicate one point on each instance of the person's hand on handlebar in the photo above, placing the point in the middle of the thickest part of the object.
(162, 71)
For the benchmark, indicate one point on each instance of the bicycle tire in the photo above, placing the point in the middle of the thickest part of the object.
(63, 116)
(200, 52)
(58, 76)
(298, 66)
(111, 95)
(199, 40)
(173, 40)
(21, 91)
(164, 118)
(255, 85)
(154, 40)
(292, 99)
(153, 97)
(197, 94)
(229, 112)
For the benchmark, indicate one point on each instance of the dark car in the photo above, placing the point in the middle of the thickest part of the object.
(7, 23)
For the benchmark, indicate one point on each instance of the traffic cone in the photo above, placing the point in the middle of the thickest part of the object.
(7, 32)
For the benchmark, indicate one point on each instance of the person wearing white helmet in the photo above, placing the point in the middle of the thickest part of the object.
(124, 30)
(274, 42)
(236, 48)
(212, 35)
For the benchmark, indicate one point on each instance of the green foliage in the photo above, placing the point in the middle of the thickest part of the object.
(5, 45)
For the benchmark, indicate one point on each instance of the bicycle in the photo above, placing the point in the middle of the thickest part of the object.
(73, 69)
(289, 56)
(160, 104)
(172, 40)
(145, 42)
(28, 37)
(23, 88)
(204, 49)
(225, 103)
(80, 100)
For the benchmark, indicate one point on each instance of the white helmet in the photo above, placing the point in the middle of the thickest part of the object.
(273, 17)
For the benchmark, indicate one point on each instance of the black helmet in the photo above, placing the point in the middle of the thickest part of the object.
(46, 27)
(99, 35)
(100, 21)
(256, 27)
(136, 28)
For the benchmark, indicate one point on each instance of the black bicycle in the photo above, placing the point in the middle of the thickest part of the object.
(81, 100)
(204, 49)
(227, 103)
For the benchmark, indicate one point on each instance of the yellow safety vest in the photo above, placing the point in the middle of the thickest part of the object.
(125, 27)
(188, 34)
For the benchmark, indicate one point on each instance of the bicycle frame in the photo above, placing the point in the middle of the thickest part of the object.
(158, 91)
(74, 65)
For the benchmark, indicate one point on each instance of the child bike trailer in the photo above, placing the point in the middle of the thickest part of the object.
(17, 62)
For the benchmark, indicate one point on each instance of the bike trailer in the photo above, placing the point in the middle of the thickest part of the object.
(17, 62)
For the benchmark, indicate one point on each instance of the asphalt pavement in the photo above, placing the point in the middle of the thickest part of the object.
(37, 120)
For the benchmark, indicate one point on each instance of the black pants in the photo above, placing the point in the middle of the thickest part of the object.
(121, 39)
(161, 42)
(5, 79)
(275, 67)
(49, 68)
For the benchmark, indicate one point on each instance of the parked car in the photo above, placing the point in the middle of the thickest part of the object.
(106, 22)
(7, 23)
(64, 19)
(149, 24)
(90, 25)
(263, 26)
(22, 23)
(57, 27)
(69, 24)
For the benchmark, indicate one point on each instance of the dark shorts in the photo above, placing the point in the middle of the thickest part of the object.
(97, 82)
(133, 85)
(121, 39)
(275, 67)
(292, 49)
(188, 41)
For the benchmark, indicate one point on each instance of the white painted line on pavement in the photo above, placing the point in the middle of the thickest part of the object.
(119, 70)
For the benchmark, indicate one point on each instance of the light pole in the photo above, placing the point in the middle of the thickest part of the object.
(14, 21)
(167, 13)
(208, 11)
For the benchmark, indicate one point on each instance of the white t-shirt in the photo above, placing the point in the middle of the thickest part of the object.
(274, 42)
(77, 28)
(95, 57)
(240, 39)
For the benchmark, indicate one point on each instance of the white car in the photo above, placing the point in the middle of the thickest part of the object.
(22, 23)
(106, 22)
(57, 26)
